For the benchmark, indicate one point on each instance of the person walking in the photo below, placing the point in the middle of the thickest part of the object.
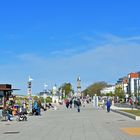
(75, 103)
(70, 103)
(67, 103)
(78, 105)
(108, 104)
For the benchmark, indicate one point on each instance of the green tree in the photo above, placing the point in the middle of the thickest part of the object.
(110, 94)
(119, 92)
(48, 100)
(95, 88)
(67, 88)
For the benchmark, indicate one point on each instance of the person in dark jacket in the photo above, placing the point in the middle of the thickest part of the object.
(78, 105)
(67, 103)
(70, 103)
(75, 103)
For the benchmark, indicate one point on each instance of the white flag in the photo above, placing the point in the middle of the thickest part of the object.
(45, 85)
(30, 79)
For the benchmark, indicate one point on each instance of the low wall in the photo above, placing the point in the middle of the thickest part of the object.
(126, 114)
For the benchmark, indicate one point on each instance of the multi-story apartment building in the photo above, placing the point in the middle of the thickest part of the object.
(133, 83)
(130, 84)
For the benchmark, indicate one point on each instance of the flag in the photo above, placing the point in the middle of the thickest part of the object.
(45, 85)
(30, 79)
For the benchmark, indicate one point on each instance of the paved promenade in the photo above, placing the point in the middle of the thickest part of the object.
(67, 124)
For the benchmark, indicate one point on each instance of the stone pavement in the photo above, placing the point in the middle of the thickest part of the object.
(68, 124)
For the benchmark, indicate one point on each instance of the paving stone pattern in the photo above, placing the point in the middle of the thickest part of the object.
(68, 124)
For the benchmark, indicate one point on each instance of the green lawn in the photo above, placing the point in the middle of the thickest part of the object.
(135, 112)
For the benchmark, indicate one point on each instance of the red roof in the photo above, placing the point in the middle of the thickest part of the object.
(133, 75)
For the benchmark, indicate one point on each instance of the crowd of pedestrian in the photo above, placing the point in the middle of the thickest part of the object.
(76, 102)
(9, 112)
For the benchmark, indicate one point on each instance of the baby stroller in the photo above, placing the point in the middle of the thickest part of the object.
(21, 117)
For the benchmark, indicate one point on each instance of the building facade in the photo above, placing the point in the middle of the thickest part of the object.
(133, 83)
(130, 84)
(106, 90)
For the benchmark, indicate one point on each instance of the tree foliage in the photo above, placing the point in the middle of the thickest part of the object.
(95, 88)
(67, 88)
(119, 92)
(109, 94)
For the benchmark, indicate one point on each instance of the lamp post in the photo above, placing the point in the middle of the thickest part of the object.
(45, 95)
(30, 94)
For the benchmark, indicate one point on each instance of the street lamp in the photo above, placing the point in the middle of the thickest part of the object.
(60, 94)
(45, 95)
(30, 94)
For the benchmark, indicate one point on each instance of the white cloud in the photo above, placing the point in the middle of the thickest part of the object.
(31, 58)
(64, 52)
(107, 62)
(68, 52)
(134, 38)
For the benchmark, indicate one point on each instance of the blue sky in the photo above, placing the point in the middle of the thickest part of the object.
(55, 41)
